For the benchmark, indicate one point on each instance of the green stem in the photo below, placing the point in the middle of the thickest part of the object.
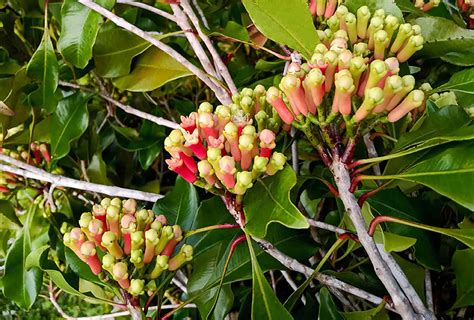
(209, 228)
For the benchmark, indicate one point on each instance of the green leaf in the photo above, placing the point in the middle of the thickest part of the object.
(97, 170)
(180, 205)
(153, 69)
(285, 22)
(69, 122)
(277, 206)
(265, 305)
(114, 50)
(449, 171)
(19, 284)
(463, 260)
(14, 99)
(388, 5)
(6, 209)
(443, 36)
(39, 259)
(462, 81)
(377, 313)
(44, 67)
(79, 28)
(327, 307)
(234, 31)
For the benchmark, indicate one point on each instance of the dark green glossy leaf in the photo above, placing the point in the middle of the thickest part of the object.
(443, 36)
(15, 99)
(377, 313)
(395, 203)
(327, 307)
(114, 50)
(19, 284)
(180, 205)
(285, 22)
(462, 81)
(79, 28)
(153, 69)
(69, 122)
(448, 171)
(277, 207)
(44, 67)
(388, 5)
(265, 305)
(463, 260)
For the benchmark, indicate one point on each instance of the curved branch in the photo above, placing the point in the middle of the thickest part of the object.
(220, 92)
(30, 172)
(128, 109)
(148, 8)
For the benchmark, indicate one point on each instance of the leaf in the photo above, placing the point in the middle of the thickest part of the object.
(388, 5)
(14, 99)
(180, 205)
(265, 305)
(79, 28)
(277, 206)
(44, 67)
(39, 259)
(377, 313)
(69, 122)
(8, 212)
(463, 260)
(285, 22)
(443, 36)
(19, 284)
(97, 170)
(327, 307)
(153, 69)
(234, 31)
(448, 171)
(462, 81)
(114, 50)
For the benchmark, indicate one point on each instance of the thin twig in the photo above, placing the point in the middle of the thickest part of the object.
(343, 182)
(148, 8)
(372, 153)
(182, 21)
(294, 265)
(292, 284)
(220, 92)
(31, 172)
(201, 13)
(128, 109)
(325, 226)
(429, 291)
(221, 67)
(294, 151)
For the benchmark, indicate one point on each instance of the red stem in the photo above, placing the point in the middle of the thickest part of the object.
(355, 182)
(349, 235)
(370, 193)
(378, 220)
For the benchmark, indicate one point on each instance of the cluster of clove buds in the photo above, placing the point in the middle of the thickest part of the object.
(352, 89)
(128, 245)
(234, 144)
(466, 8)
(37, 155)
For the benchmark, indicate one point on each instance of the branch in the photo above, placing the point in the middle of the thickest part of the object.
(220, 92)
(295, 265)
(406, 286)
(325, 226)
(372, 153)
(128, 109)
(221, 67)
(343, 182)
(429, 291)
(183, 23)
(148, 8)
(31, 172)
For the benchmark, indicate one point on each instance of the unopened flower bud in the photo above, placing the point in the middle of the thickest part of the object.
(259, 166)
(112, 218)
(130, 206)
(120, 274)
(161, 265)
(351, 23)
(404, 32)
(391, 25)
(276, 163)
(205, 107)
(167, 233)
(108, 262)
(88, 250)
(363, 16)
(361, 49)
(184, 255)
(244, 182)
(137, 287)
(116, 202)
(412, 101)
(137, 240)
(357, 66)
(380, 42)
(376, 24)
(109, 241)
(227, 165)
(136, 257)
(333, 23)
(373, 97)
(414, 44)
(344, 89)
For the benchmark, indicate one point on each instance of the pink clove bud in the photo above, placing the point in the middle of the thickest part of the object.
(274, 98)
(412, 101)
(227, 165)
(189, 123)
(291, 86)
(193, 142)
(89, 251)
(120, 274)
(177, 165)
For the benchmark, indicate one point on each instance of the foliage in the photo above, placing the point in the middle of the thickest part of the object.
(87, 105)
